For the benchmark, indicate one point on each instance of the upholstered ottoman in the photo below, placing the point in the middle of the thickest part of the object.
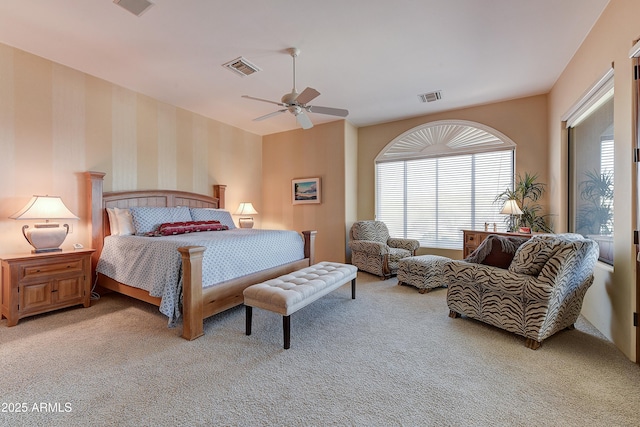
(423, 271)
(289, 293)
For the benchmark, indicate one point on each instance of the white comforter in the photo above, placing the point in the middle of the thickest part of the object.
(154, 263)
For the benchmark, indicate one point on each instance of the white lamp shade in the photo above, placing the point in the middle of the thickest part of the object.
(511, 208)
(246, 208)
(44, 207)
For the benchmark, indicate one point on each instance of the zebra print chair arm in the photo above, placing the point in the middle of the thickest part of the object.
(570, 269)
(369, 247)
(409, 244)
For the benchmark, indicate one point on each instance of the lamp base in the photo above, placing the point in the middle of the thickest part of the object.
(41, 251)
(45, 237)
(245, 222)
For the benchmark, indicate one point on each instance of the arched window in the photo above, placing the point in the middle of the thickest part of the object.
(441, 177)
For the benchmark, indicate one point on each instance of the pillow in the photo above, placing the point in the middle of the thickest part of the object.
(172, 228)
(125, 222)
(209, 214)
(496, 251)
(113, 222)
(147, 219)
(120, 222)
(532, 255)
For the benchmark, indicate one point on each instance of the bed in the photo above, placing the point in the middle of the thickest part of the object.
(198, 303)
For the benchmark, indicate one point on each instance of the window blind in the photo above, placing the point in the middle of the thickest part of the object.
(433, 199)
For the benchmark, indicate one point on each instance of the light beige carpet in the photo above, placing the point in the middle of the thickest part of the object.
(391, 357)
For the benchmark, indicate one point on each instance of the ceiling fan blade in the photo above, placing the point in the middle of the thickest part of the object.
(264, 100)
(266, 116)
(307, 95)
(304, 120)
(328, 110)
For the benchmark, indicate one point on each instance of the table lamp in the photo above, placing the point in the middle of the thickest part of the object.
(46, 236)
(512, 209)
(245, 208)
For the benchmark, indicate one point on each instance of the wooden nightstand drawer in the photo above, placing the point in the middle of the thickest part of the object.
(39, 269)
(472, 239)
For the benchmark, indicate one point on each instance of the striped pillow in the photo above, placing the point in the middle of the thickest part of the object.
(533, 254)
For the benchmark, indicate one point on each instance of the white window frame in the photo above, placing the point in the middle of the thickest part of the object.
(601, 92)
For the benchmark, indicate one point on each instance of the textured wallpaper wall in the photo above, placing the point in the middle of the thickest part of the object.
(57, 122)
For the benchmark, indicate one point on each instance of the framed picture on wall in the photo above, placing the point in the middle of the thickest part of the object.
(305, 191)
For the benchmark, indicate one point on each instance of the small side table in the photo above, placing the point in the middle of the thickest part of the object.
(38, 283)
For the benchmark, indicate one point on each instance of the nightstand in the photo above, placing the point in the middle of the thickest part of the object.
(38, 283)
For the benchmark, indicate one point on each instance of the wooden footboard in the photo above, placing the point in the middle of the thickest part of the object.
(199, 303)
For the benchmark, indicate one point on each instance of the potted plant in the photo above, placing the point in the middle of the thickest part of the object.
(526, 193)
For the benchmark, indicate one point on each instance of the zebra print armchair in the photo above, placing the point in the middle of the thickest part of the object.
(539, 294)
(373, 251)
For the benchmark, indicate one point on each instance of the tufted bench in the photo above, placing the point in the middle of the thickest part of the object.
(289, 293)
(423, 271)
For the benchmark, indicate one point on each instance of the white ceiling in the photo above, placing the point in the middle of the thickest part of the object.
(372, 57)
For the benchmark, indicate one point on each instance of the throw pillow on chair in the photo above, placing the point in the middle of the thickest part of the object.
(497, 251)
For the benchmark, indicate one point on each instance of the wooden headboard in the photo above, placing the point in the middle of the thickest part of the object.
(97, 202)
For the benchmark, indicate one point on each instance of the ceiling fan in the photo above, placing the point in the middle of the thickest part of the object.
(297, 103)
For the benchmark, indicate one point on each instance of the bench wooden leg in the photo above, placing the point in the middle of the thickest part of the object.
(248, 320)
(286, 327)
(353, 289)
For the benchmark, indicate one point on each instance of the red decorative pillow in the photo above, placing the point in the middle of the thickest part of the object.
(172, 228)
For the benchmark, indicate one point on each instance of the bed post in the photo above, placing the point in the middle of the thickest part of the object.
(218, 192)
(192, 321)
(310, 245)
(95, 182)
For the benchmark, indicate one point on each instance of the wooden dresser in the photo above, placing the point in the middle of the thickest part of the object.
(473, 238)
(38, 283)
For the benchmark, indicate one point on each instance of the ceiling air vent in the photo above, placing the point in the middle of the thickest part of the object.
(241, 66)
(430, 96)
(137, 7)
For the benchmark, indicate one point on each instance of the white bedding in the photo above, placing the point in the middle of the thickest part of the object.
(154, 263)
